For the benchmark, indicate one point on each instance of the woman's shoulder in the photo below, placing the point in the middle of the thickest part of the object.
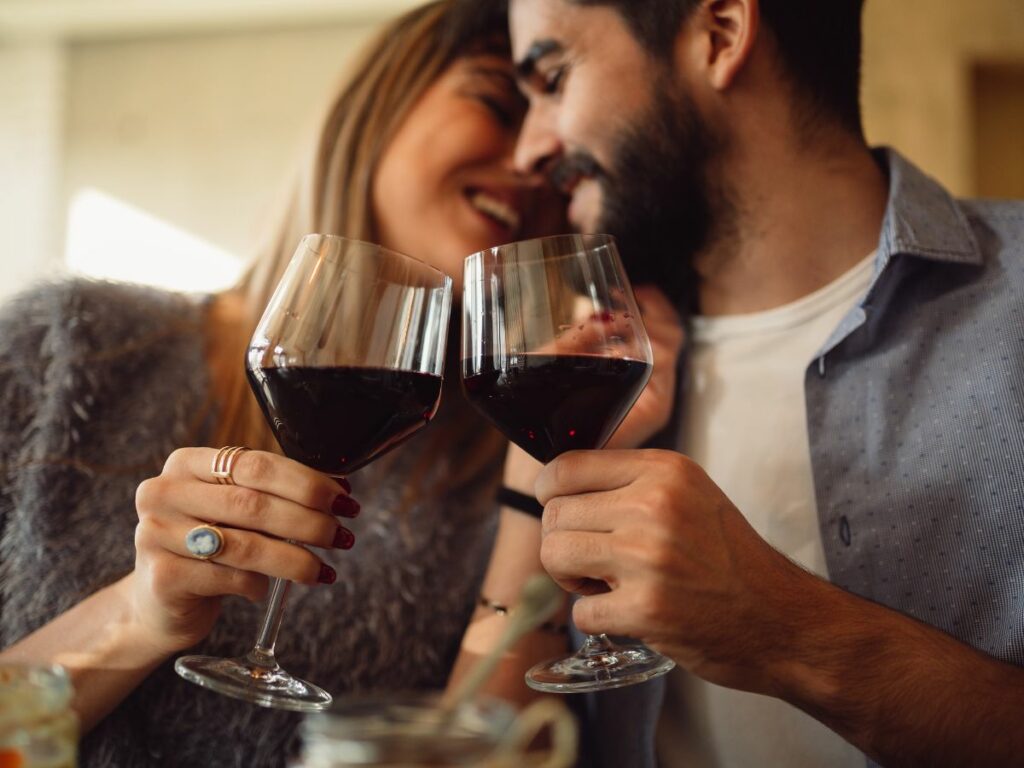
(74, 351)
(92, 315)
(78, 322)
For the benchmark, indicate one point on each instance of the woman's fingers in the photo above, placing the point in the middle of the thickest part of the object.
(242, 550)
(241, 507)
(265, 472)
(594, 332)
(205, 579)
(271, 499)
(593, 336)
(654, 305)
(661, 320)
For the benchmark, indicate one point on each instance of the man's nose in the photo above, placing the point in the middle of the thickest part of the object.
(538, 141)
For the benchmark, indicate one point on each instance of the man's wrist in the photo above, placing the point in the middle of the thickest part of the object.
(903, 691)
(811, 655)
(843, 654)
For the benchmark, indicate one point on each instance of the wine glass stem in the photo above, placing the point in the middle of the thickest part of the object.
(263, 652)
(595, 645)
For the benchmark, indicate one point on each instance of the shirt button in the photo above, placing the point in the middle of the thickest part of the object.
(844, 531)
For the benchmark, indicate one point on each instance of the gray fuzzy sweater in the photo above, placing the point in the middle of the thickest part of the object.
(98, 384)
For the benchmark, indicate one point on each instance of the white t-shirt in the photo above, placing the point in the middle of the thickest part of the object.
(745, 423)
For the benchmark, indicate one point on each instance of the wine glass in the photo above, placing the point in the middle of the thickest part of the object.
(346, 364)
(554, 354)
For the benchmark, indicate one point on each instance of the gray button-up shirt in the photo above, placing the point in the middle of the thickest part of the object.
(915, 411)
(916, 419)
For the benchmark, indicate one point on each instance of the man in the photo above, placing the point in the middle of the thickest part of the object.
(853, 409)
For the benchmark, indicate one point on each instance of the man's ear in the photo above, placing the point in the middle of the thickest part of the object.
(721, 36)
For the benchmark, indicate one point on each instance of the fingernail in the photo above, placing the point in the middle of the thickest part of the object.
(345, 484)
(344, 539)
(327, 575)
(345, 506)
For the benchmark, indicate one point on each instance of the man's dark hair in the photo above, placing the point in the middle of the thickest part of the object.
(819, 43)
(472, 23)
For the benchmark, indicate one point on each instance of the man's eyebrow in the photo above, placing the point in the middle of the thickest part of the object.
(528, 64)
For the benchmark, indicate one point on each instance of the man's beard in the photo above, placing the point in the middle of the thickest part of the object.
(658, 199)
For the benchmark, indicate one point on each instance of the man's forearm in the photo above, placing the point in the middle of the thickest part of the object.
(903, 692)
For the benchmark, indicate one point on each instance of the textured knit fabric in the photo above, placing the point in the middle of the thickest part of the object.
(99, 383)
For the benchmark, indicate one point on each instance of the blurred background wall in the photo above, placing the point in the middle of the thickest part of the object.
(151, 141)
(944, 83)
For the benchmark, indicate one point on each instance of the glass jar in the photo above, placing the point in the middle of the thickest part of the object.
(388, 732)
(411, 731)
(38, 729)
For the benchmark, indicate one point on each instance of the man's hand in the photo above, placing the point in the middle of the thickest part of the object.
(664, 556)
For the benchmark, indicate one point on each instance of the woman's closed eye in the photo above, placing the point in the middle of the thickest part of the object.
(507, 108)
(495, 88)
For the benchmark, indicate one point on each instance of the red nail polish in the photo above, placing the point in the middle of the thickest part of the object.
(345, 484)
(345, 506)
(344, 539)
(327, 575)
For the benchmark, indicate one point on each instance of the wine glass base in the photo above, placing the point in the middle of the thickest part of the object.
(267, 686)
(612, 667)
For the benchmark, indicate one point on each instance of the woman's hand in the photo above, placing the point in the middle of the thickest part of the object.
(651, 412)
(653, 408)
(176, 597)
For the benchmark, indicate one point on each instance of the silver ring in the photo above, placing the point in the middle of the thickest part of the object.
(224, 464)
(204, 542)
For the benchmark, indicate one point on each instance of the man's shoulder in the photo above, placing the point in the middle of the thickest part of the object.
(998, 228)
(996, 223)
(1002, 211)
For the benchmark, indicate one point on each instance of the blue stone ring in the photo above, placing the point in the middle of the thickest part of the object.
(204, 542)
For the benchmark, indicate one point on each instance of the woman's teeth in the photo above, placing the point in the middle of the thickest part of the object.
(498, 210)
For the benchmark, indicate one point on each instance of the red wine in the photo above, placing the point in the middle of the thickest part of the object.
(549, 404)
(338, 419)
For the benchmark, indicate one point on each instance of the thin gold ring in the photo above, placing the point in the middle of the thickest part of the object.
(204, 542)
(224, 464)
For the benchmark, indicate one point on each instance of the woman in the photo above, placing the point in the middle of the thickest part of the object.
(102, 383)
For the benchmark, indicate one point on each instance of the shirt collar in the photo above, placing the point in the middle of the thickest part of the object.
(922, 219)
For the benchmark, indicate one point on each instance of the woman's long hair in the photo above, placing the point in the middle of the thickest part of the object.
(332, 195)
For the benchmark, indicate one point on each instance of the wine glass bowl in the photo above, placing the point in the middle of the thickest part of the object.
(346, 364)
(355, 339)
(554, 354)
